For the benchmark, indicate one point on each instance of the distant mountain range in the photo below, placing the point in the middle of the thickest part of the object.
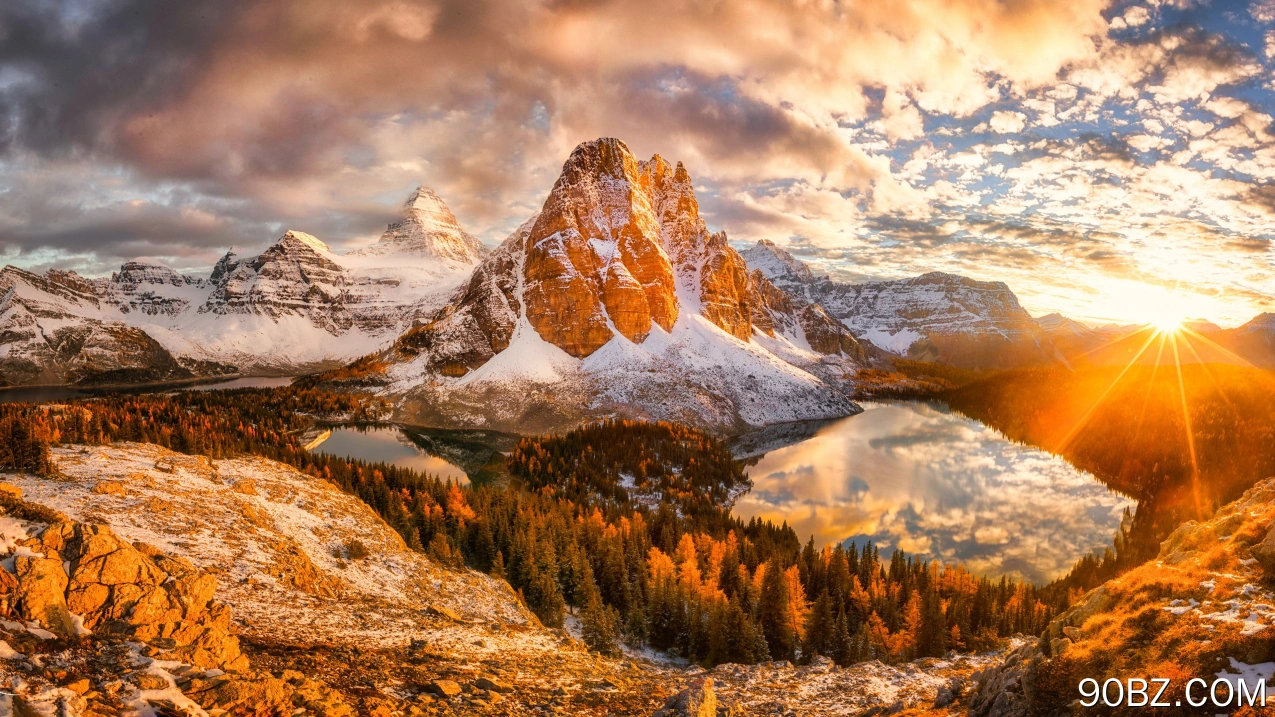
(614, 299)
(280, 311)
(934, 317)
(1198, 341)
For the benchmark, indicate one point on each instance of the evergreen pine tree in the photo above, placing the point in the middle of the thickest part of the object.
(820, 629)
(774, 612)
(598, 622)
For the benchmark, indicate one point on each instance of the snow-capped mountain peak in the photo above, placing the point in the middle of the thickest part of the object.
(783, 269)
(293, 238)
(428, 228)
(617, 300)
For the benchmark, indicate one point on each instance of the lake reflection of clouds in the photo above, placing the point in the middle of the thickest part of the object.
(390, 445)
(915, 477)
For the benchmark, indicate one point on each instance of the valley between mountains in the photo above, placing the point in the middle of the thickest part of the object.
(186, 553)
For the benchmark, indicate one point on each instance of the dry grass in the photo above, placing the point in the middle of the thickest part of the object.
(1202, 603)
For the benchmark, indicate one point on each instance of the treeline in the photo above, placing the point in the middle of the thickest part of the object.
(624, 463)
(1180, 447)
(681, 574)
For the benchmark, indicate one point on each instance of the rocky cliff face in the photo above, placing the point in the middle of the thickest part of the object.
(151, 287)
(616, 298)
(594, 263)
(295, 276)
(934, 317)
(480, 321)
(709, 272)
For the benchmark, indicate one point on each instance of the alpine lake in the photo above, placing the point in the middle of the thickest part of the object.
(905, 475)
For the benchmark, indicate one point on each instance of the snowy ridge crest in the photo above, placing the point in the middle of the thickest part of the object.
(277, 311)
(934, 317)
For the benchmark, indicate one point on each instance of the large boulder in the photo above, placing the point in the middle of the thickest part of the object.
(76, 578)
(42, 592)
(697, 700)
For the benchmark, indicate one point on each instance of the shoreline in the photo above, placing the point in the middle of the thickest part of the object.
(177, 383)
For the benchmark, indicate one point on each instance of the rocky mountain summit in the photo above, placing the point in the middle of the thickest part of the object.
(277, 311)
(151, 287)
(615, 298)
(934, 317)
(428, 228)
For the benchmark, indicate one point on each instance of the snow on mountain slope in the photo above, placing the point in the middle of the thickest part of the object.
(151, 287)
(783, 269)
(616, 300)
(53, 330)
(295, 306)
(936, 317)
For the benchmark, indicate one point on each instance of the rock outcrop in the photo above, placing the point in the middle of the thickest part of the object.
(697, 700)
(595, 264)
(1202, 608)
(706, 265)
(77, 579)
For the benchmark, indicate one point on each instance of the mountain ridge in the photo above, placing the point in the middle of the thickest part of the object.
(936, 316)
(276, 311)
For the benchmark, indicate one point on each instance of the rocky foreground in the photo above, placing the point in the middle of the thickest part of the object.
(140, 581)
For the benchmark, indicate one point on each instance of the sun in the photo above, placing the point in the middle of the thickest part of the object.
(1168, 324)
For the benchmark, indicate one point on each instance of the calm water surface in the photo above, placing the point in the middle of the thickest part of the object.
(916, 477)
(388, 444)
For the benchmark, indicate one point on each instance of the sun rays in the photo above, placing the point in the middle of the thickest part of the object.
(1173, 341)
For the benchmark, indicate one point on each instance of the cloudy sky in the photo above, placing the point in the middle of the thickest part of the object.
(1104, 159)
